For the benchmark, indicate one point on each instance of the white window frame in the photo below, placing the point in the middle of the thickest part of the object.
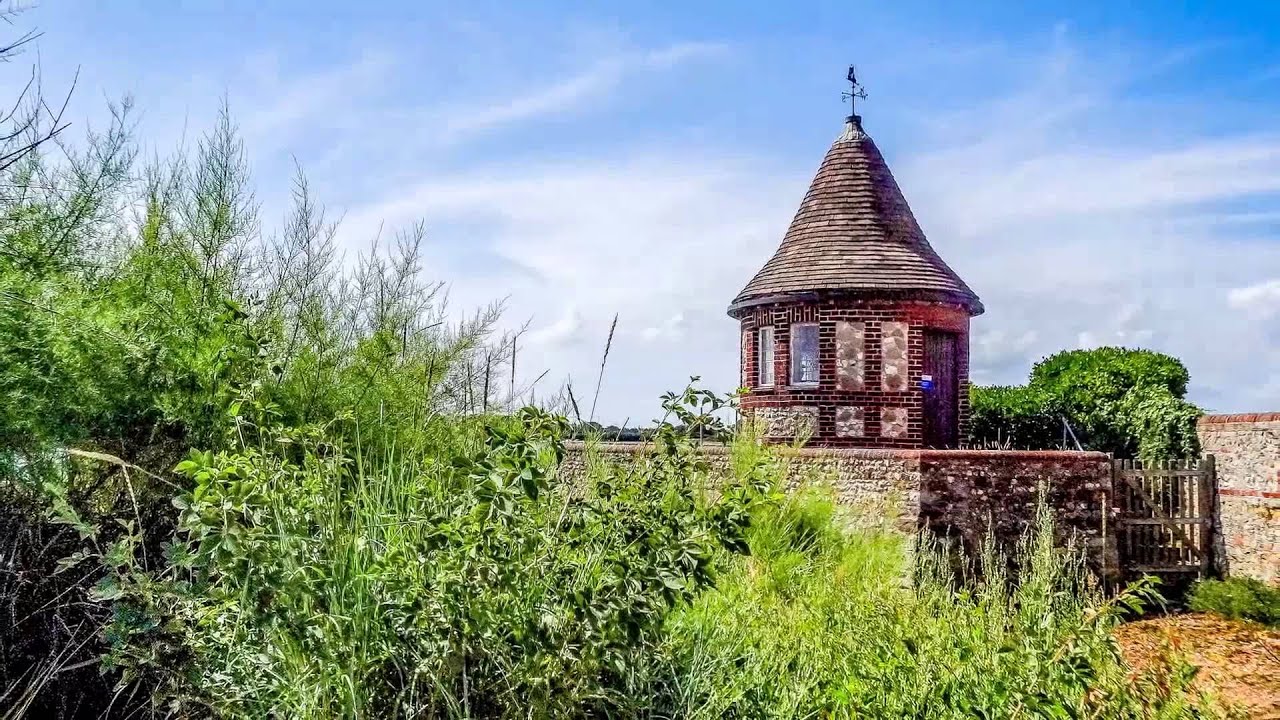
(765, 347)
(794, 358)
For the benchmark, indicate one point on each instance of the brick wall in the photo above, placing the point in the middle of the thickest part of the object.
(953, 492)
(1247, 452)
(873, 399)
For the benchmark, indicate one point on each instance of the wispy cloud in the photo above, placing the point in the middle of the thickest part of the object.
(574, 92)
(277, 101)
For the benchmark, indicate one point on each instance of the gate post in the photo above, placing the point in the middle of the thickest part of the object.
(1209, 508)
(1112, 567)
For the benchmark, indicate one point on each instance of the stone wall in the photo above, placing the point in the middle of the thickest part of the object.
(883, 480)
(958, 493)
(1247, 452)
(965, 492)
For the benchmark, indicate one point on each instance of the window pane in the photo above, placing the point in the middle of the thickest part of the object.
(804, 353)
(766, 356)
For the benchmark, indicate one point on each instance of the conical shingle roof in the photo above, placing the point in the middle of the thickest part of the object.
(854, 232)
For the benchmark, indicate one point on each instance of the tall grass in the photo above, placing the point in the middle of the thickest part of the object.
(822, 620)
(468, 579)
(144, 312)
(462, 582)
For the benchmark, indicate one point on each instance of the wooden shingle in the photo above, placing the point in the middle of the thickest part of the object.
(854, 232)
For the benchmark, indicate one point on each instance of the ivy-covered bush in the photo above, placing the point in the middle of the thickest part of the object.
(1013, 416)
(1131, 403)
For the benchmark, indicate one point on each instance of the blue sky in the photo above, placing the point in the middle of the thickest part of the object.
(1099, 172)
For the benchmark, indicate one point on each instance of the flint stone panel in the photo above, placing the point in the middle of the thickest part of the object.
(850, 355)
(893, 422)
(850, 422)
(787, 422)
(893, 356)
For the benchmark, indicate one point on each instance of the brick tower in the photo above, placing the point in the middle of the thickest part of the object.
(855, 333)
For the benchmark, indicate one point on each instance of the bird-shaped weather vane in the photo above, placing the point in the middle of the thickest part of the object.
(854, 93)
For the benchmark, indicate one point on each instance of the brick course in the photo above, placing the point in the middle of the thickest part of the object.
(827, 397)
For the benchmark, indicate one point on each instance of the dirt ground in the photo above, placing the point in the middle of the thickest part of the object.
(1239, 662)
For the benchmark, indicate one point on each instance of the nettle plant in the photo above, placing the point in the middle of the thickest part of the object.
(309, 580)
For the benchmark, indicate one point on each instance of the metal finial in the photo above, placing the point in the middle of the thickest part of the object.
(854, 93)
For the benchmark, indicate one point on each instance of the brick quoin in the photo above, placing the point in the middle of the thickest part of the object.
(855, 253)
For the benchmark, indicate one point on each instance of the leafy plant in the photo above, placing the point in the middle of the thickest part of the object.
(1127, 402)
(1239, 598)
(461, 582)
(184, 327)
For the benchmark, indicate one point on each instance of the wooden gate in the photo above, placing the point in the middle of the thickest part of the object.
(1165, 523)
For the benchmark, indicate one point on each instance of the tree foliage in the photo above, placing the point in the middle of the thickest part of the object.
(1128, 402)
(144, 312)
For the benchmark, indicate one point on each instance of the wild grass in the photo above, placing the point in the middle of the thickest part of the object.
(468, 581)
(831, 617)
(145, 312)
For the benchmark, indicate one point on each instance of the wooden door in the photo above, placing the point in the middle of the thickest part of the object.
(940, 385)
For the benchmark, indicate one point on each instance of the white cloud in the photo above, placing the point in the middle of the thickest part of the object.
(1262, 298)
(565, 330)
(277, 102)
(670, 329)
(664, 240)
(571, 93)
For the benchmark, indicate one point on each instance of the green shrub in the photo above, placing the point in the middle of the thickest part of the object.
(1130, 403)
(1237, 598)
(1017, 417)
(462, 582)
(188, 327)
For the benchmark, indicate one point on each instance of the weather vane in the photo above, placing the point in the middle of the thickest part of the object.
(854, 93)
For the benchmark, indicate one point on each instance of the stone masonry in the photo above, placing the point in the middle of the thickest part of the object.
(955, 493)
(1247, 452)
(860, 349)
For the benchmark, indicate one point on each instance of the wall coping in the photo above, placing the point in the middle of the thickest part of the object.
(1239, 418)
(868, 453)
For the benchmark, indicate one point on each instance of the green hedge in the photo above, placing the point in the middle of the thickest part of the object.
(1127, 402)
